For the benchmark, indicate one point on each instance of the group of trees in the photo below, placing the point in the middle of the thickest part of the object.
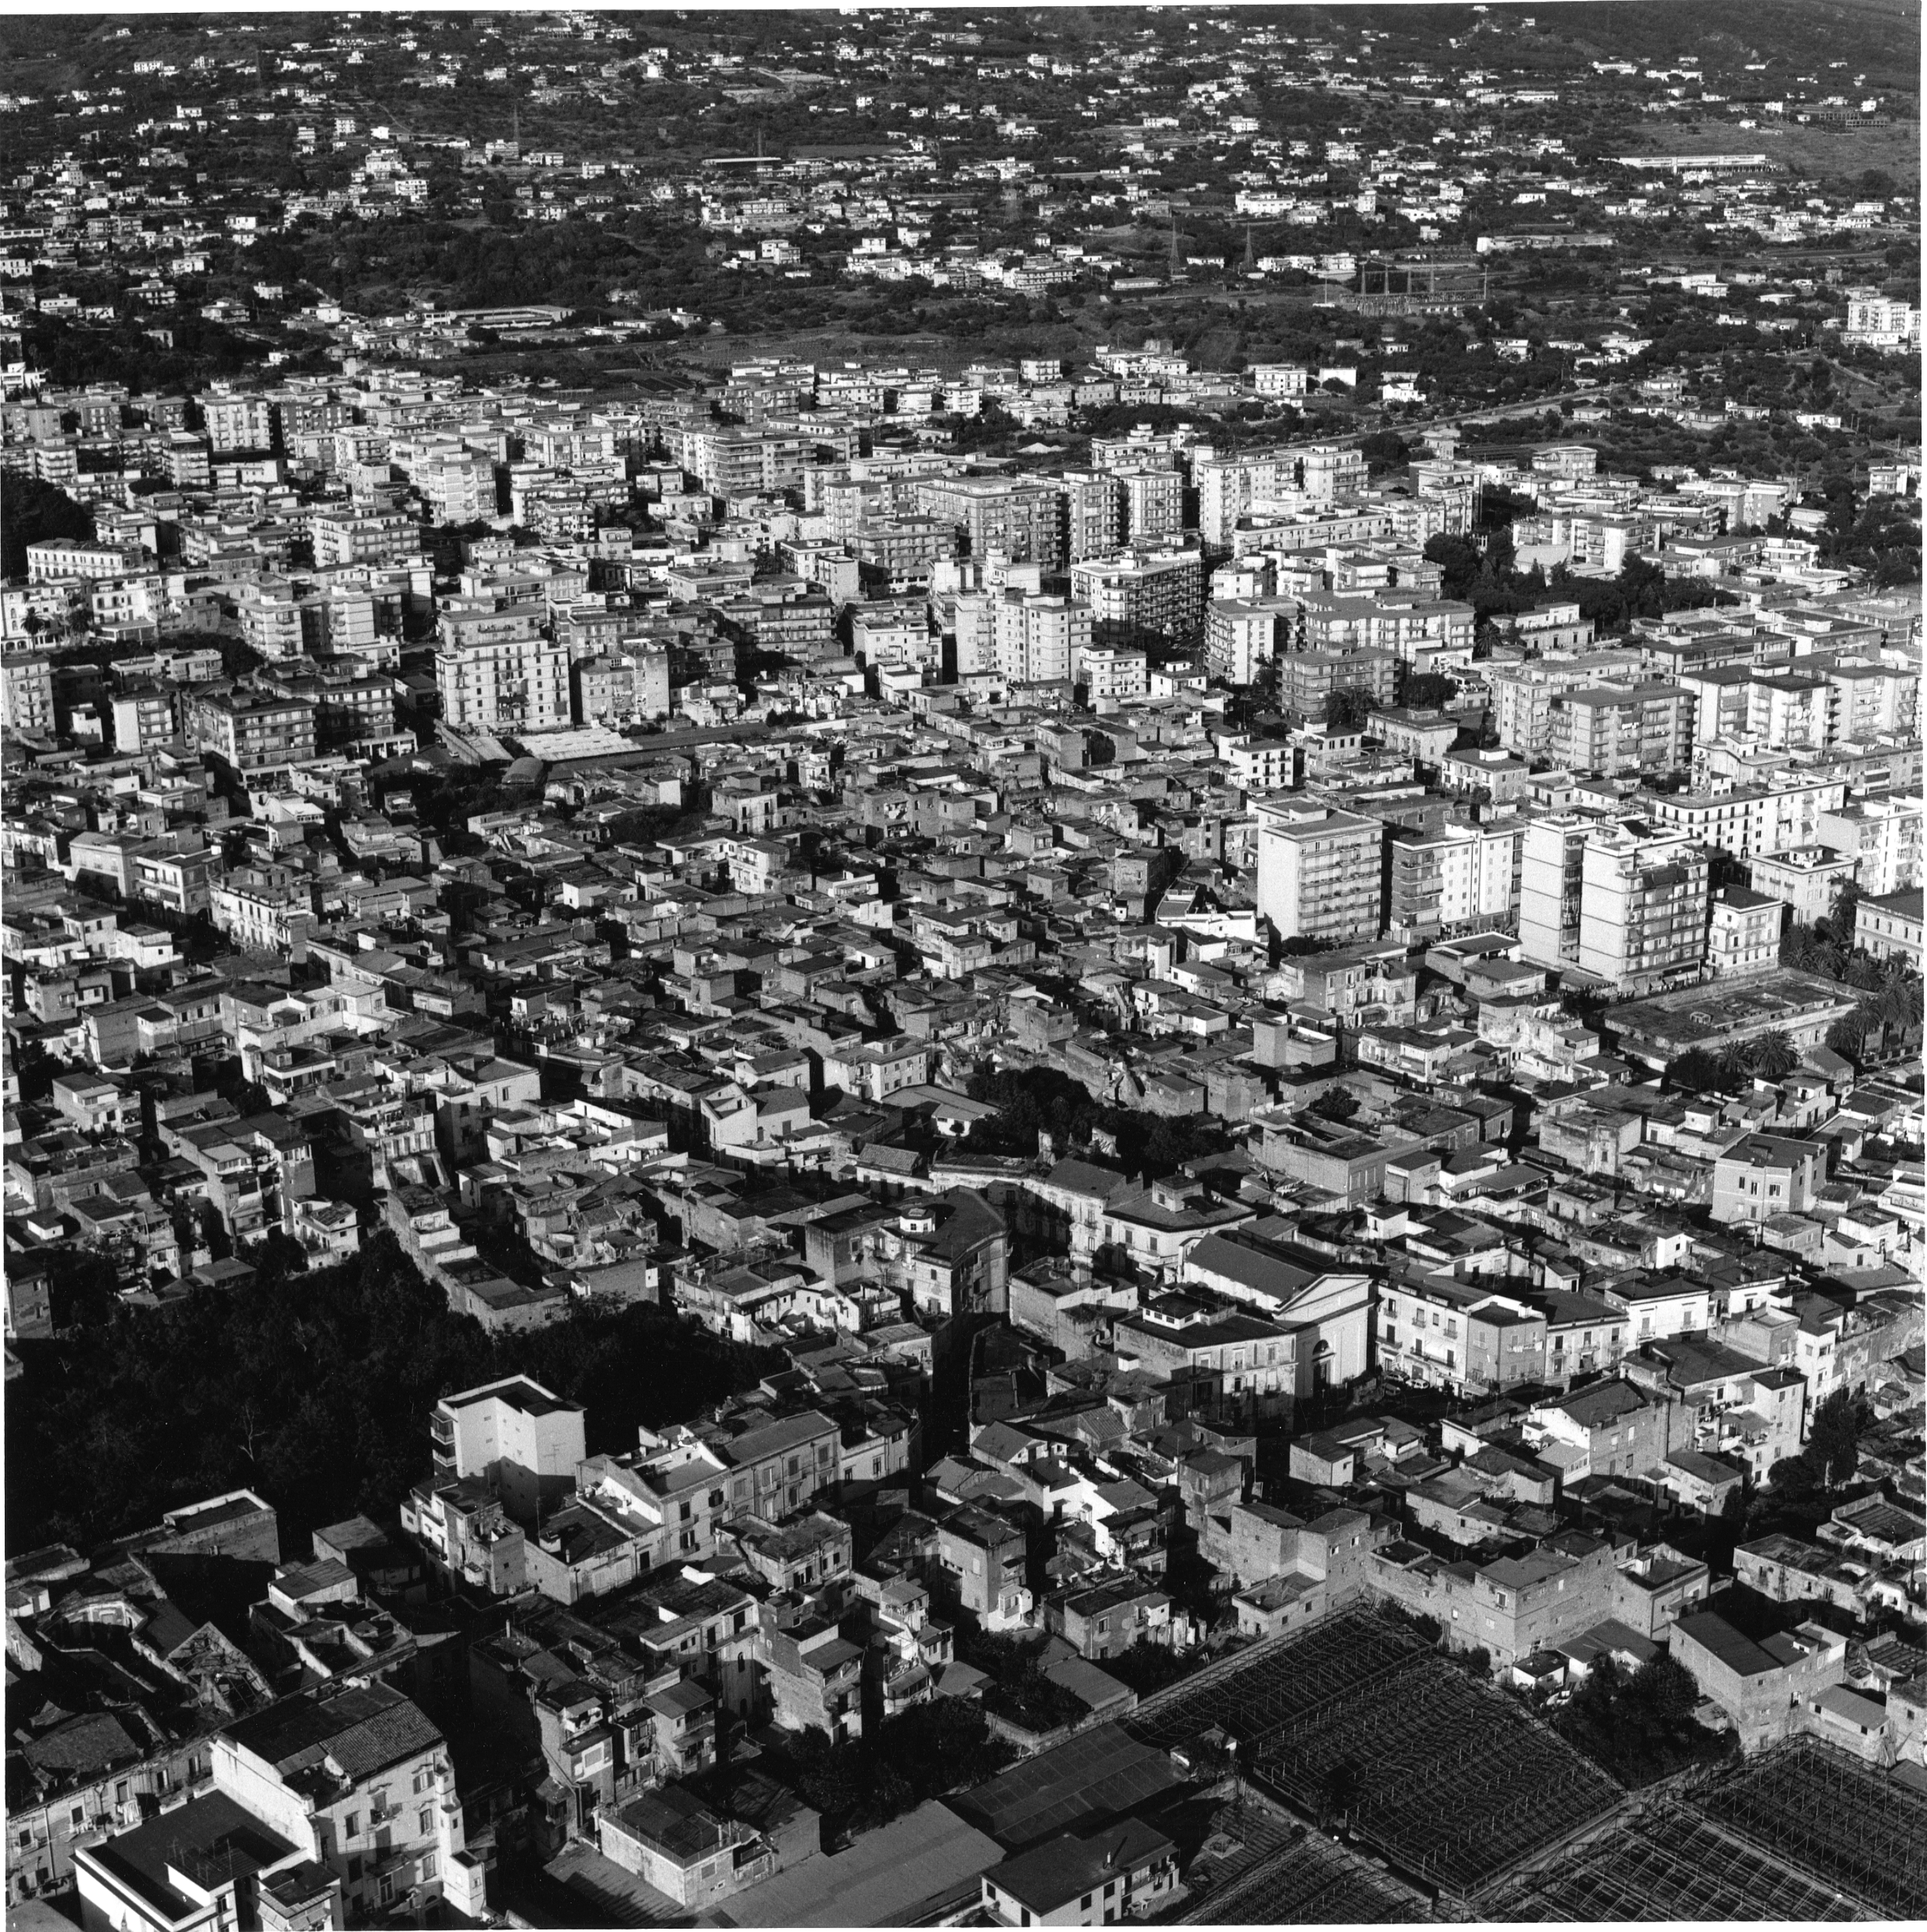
(1734, 1068)
(1831, 1456)
(1889, 1013)
(927, 1751)
(1019, 1690)
(34, 512)
(1039, 1099)
(1639, 1726)
(315, 1388)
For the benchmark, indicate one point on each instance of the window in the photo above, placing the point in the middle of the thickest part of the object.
(425, 1820)
(351, 1826)
(78, 1817)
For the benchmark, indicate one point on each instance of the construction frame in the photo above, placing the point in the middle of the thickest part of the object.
(1848, 1824)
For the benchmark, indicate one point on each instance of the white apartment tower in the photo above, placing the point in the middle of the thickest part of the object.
(1037, 637)
(1319, 871)
(1550, 875)
(1643, 907)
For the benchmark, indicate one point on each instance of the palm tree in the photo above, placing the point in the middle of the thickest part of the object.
(1774, 1055)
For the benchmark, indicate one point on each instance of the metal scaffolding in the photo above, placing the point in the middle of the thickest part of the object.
(1453, 1782)
(1851, 1826)
(1310, 1882)
(1252, 1697)
(1667, 1864)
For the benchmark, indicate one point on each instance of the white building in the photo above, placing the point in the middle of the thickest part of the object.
(1318, 871)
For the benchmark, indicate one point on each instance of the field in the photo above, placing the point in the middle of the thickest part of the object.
(1811, 153)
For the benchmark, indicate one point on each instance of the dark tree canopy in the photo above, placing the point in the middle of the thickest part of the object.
(316, 1390)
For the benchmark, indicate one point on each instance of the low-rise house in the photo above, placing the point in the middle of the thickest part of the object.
(1760, 1688)
(1125, 1870)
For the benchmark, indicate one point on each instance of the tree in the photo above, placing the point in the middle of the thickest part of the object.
(35, 511)
(1430, 690)
(1385, 449)
(1346, 709)
(1832, 1439)
(1337, 1104)
(313, 1386)
(1665, 1689)
(1697, 1071)
(1774, 1055)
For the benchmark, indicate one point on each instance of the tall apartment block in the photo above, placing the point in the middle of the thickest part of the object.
(496, 672)
(1022, 519)
(1550, 876)
(1318, 871)
(1093, 513)
(513, 1435)
(1643, 908)
(1162, 591)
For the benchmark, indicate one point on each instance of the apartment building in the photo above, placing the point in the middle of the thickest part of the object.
(1881, 836)
(1022, 520)
(343, 537)
(1241, 636)
(29, 692)
(1093, 513)
(1743, 933)
(1038, 638)
(1439, 627)
(144, 715)
(1463, 1336)
(263, 908)
(1307, 678)
(1158, 591)
(238, 422)
(1521, 695)
(1461, 879)
(744, 462)
(628, 687)
(1154, 506)
(361, 1779)
(518, 681)
(1782, 814)
(252, 733)
(514, 1436)
(1111, 672)
(1551, 885)
(1318, 871)
(1767, 1174)
(61, 558)
(1889, 927)
(1806, 878)
(1643, 908)
(1648, 728)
